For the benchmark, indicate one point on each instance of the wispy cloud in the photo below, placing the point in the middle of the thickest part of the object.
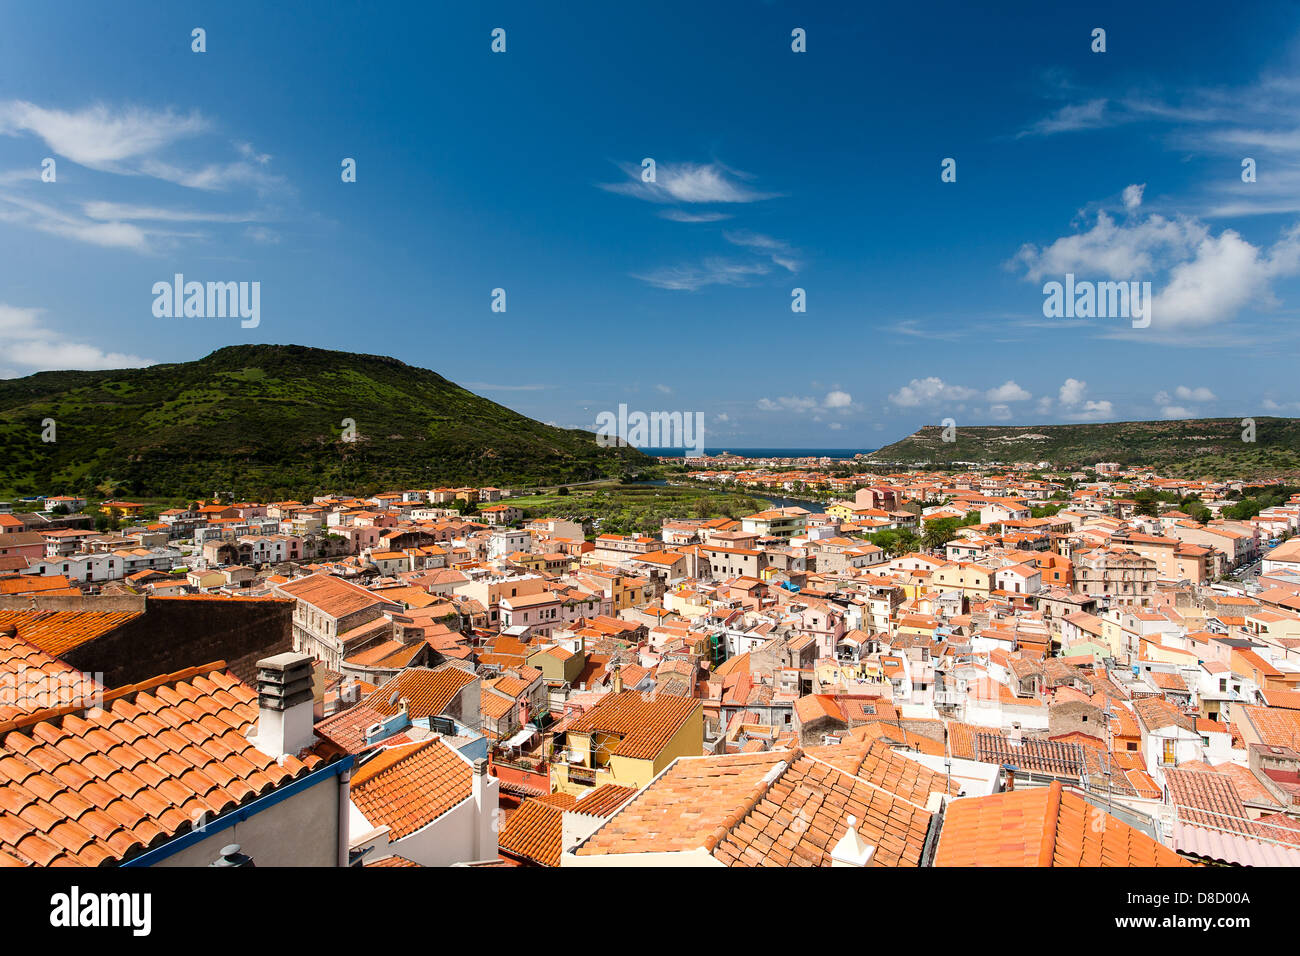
(99, 137)
(781, 253)
(43, 217)
(682, 215)
(1071, 118)
(712, 271)
(689, 183)
(28, 346)
(124, 141)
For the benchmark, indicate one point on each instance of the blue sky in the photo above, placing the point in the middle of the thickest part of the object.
(774, 170)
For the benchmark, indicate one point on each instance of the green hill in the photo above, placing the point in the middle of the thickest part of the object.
(1203, 447)
(266, 421)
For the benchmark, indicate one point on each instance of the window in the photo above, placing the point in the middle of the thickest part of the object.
(1169, 754)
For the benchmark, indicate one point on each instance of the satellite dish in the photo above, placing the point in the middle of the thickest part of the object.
(392, 701)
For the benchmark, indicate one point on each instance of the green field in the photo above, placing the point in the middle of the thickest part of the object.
(624, 509)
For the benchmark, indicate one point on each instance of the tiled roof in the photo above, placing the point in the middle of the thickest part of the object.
(805, 813)
(534, 832)
(604, 800)
(408, 787)
(1044, 826)
(878, 764)
(331, 595)
(429, 691)
(32, 680)
(1040, 756)
(1247, 785)
(1207, 798)
(785, 807)
(98, 786)
(1274, 725)
(348, 729)
(494, 705)
(689, 801)
(57, 632)
(645, 725)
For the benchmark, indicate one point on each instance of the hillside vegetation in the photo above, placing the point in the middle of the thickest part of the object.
(266, 421)
(1203, 447)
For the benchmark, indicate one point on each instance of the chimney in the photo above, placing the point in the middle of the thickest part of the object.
(350, 691)
(618, 678)
(484, 789)
(852, 850)
(285, 708)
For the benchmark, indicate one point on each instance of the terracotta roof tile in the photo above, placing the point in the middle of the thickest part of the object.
(1044, 826)
(783, 808)
(406, 788)
(534, 832)
(32, 680)
(57, 632)
(102, 785)
(644, 725)
(429, 691)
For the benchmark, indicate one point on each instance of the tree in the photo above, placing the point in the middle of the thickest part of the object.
(939, 533)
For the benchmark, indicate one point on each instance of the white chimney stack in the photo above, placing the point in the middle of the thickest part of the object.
(285, 709)
(852, 850)
(485, 791)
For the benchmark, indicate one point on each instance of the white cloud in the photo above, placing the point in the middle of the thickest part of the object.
(1093, 411)
(688, 183)
(781, 253)
(98, 137)
(48, 219)
(1112, 251)
(1177, 411)
(931, 391)
(1133, 195)
(1008, 391)
(101, 210)
(788, 403)
(1209, 278)
(1225, 275)
(1000, 413)
(1269, 405)
(664, 388)
(27, 346)
(1072, 391)
(713, 271)
(836, 400)
(681, 215)
(1074, 116)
